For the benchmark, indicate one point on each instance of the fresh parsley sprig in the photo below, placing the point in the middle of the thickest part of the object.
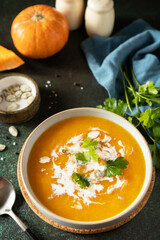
(137, 95)
(111, 104)
(115, 167)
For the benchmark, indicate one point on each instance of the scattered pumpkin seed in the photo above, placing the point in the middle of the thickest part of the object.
(13, 131)
(13, 107)
(25, 88)
(2, 147)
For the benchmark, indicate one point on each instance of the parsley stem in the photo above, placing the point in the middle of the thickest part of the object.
(129, 106)
(147, 133)
(147, 98)
(125, 92)
(133, 91)
(134, 77)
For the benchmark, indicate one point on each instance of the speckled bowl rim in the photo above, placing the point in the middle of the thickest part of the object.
(27, 108)
(90, 224)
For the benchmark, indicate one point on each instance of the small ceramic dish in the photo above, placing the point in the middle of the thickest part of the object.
(19, 98)
(27, 147)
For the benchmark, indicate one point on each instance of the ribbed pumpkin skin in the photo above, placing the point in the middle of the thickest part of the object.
(39, 31)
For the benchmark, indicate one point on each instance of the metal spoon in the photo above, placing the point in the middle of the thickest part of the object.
(7, 199)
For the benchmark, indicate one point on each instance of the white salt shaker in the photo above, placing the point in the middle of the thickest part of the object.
(72, 10)
(99, 17)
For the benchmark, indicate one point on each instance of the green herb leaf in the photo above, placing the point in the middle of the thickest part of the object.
(145, 118)
(155, 151)
(87, 155)
(112, 170)
(115, 167)
(93, 154)
(81, 180)
(148, 88)
(111, 104)
(150, 117)
(130, 119)
(156, 133)
(87, 142)
(81, 157)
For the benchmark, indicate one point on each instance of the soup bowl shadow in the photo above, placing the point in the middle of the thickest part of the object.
(76, 112)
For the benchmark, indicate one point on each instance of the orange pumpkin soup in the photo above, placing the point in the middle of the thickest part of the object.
(86, 168)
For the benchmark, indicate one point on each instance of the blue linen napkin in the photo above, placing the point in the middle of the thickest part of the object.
(105, 54)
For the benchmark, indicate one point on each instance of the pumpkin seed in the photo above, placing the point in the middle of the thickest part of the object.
(11, 90)
(2, 147)
(13, 107)
(26, 95)
(11, 98)
(5, 92)
(1, 98)
(16, 88)
(13, 131)
(18, 94)
(25, 88)
(30, 100)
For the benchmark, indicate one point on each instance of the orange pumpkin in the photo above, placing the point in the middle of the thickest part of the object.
(39, 31)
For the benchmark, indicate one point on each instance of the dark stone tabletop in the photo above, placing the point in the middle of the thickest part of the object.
(63, 70)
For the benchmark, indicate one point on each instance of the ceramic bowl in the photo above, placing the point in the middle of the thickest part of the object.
(85, 112)
(25, 110)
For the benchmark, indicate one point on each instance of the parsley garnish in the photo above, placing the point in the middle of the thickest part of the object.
(87, 143)
(93, 154)
(115, 167)
(81, 180)
(90, 154)
(87, 155)
(81, 157)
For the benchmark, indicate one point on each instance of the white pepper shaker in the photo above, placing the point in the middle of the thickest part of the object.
(73, 11)
(99, 17)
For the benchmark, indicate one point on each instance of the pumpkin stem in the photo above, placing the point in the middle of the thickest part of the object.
(37, 17)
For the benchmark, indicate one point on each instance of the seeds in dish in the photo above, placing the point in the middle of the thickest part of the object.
(16, 97)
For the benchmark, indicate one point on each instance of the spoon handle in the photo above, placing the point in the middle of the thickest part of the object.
(22, 225)
(30, 234)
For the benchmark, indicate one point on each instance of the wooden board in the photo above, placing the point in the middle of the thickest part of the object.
(83, 231)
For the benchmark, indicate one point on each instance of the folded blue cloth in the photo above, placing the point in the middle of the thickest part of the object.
(105, 54)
